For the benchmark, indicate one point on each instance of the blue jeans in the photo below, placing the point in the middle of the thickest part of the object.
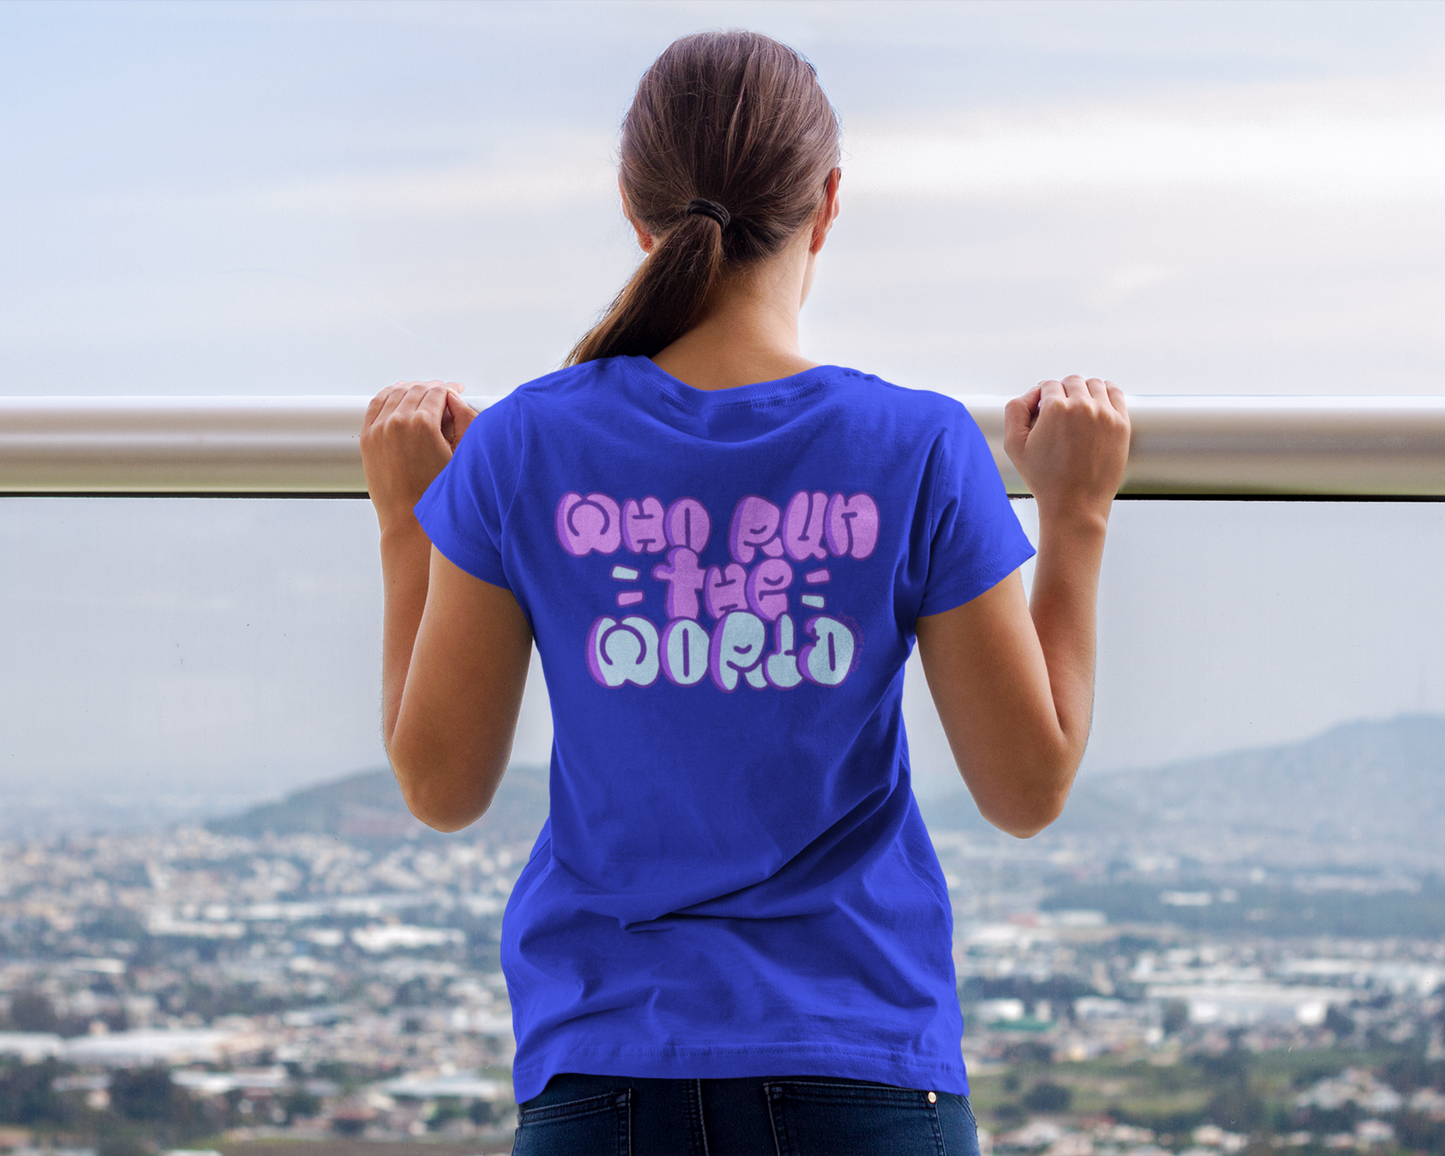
(764, 1116)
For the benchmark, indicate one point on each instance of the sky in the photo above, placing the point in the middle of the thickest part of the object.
(323, 198)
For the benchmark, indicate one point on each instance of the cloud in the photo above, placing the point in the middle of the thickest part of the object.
(1352, 144)
(552, 168)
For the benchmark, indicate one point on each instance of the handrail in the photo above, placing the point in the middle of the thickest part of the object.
(1222, 447)
(181, 445)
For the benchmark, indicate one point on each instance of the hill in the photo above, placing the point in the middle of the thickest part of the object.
(1364, 793)
(367, 808)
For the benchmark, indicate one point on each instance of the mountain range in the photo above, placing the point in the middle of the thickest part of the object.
(1369, 792)
(1362, 793)
(367, 809)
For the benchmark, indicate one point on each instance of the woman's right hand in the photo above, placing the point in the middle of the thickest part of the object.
(1069, 441)
(1013, 678)
(410, 432)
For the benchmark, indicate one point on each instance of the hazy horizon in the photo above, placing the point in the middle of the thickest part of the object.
(39, 814)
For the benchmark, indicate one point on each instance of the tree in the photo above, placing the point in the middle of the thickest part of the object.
(1340, 1022)
(144, 1094)
(1176, 1016)
(28, 1095)
(1234, 1105)
(125, 1142)
(147, 1096)
(298, 1103)
(32, 1011)
(483, 1112)
(1048, 1097)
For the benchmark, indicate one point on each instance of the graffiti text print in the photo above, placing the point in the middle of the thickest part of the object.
(754, 639)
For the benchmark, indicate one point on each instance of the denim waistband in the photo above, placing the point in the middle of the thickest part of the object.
(578, 1115)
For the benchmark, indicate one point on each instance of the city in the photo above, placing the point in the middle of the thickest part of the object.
(324, 969)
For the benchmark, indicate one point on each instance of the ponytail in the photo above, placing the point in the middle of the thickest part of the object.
(725, 153)
(664, 298)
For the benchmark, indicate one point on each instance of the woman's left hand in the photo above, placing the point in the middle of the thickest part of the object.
(409, 434)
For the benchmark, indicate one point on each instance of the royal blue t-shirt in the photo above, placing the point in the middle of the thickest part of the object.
(734, 879)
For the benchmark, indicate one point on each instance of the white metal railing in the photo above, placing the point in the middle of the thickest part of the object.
(1283, 446)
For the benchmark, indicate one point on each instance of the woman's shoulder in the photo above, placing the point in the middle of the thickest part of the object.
(560, 383)
(908, 402)
(564, 394)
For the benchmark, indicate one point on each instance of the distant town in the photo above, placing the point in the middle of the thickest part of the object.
(321, 970)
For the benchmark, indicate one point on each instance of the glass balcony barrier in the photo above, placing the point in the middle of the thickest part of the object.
(198, 871)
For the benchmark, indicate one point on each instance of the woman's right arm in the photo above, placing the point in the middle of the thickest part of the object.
(1013, 678)
(455, 649)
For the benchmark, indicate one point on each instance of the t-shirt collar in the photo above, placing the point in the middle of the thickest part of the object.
(697, 400)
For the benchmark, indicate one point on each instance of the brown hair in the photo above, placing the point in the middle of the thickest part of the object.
(738, 119)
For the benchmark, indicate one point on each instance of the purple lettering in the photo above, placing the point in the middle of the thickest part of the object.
(724, 589)
(765, 587)
(587, 524)
(754, 524)
(852, 525)
(803, 526)
(642, 526)
(687, 524)
(684, 578)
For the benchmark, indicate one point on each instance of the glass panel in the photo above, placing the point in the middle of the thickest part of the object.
(153, 643)
(199, 660)
(179, 657)
(173, 659)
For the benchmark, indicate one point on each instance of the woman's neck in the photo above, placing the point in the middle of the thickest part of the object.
(749, 331)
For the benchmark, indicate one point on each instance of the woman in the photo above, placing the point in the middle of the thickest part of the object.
(733, 935)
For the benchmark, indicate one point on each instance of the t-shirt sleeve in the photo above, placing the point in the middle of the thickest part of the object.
(976, 537)
(464, 509)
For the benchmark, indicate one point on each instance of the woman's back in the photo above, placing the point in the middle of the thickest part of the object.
(722, 587)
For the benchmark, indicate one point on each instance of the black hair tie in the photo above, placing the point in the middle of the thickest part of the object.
(708, 209)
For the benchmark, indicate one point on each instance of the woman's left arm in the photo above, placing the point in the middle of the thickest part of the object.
(455, 649)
